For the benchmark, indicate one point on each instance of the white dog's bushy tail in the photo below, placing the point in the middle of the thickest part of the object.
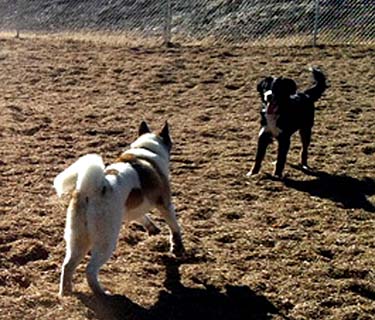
(82, 180)
(86, 174)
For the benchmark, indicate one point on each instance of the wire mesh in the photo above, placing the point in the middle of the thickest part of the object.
(235, 21)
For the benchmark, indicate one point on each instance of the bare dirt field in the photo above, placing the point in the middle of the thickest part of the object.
(301, 248)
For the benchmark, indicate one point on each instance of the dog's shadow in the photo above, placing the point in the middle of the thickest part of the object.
(178, 302)
(350, 192)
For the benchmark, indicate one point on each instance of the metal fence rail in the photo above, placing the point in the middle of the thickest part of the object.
(288, 22)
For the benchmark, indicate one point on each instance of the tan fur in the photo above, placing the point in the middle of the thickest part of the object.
(154, 184)
(75, 206)
(112, 172)
(125, 157)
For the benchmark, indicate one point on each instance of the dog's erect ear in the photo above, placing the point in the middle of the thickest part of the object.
(290, 86)
(164, 134)
(143, 128)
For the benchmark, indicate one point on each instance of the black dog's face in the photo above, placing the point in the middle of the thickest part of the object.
(263, 87)
(276, 90)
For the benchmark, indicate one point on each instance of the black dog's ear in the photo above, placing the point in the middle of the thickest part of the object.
(290, 86)
(264, 85)
(164, 134)
(143, 128)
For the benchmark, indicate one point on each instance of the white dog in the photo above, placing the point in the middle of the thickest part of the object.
(101, 198)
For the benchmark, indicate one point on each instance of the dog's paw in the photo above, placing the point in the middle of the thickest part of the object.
(305, 167)
(251, 173)
(102, 294)
(65, 293)
(65, 289)
(153, 231)
(106, 294)
(179, 253)
(277, 176)
(178, 250)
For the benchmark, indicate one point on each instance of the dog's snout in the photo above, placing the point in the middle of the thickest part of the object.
(268, 96)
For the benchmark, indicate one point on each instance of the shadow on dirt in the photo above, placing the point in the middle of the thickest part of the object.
(178, 302)
(348, 191)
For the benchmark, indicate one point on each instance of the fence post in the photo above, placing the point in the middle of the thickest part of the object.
(18, 18)
(316, 22)
(168, 22)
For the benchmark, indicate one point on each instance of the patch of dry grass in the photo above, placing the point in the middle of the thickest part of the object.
(258, 248)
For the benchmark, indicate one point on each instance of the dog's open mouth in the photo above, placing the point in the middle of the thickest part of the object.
(271, 107)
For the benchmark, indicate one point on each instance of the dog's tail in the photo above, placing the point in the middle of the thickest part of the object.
(320, 85)
(86, 176)
(83, 180)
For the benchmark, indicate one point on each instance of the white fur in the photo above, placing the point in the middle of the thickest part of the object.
(97, 208)
(162, 163)
(267, 94)
(90, 166)
(145, 143)
(271, 117)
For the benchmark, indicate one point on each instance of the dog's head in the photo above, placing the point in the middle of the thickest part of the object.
(275, 91)
(263, 86)
(156, 142)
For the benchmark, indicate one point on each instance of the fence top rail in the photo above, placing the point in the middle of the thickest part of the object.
(228, 21)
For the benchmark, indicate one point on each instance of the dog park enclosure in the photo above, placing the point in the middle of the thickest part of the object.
(259, 249)
(231, 21)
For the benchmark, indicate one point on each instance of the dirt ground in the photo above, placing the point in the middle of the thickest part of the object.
(301, 248)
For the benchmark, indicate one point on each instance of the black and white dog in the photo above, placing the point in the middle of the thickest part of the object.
(285, 111)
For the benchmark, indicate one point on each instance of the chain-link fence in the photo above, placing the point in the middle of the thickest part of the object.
(235, 21)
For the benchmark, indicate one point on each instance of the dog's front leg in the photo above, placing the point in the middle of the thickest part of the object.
(265, 138)
(305, 135)
(283, 148)
(150, 226)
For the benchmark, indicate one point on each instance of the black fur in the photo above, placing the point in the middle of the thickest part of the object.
(164, 134)
(295, 112)
(143, 128)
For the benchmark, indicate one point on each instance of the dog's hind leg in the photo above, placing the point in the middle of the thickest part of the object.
(169, 214)
(77, 242)
(150, 226)
(92, 271)
(305, 135)
(75, 252)
(265, 138)
(103, 246)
